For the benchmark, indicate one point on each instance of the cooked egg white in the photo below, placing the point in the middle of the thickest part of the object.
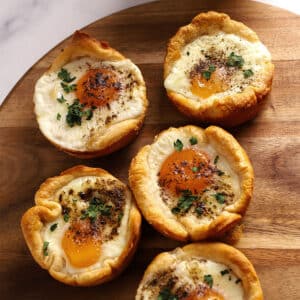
(164, 147)
(128, 105)
(255, 55)
(110, 250)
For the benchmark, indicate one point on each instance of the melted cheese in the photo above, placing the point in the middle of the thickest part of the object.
(255, 55)
(48, 88)
(110, 250)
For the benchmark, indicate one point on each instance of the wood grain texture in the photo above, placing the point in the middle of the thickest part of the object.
(271, 236)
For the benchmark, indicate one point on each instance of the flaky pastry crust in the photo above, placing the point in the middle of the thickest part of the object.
(159, 216)
(229, 110)
(217, 252)
(117, 135)
(46, 210)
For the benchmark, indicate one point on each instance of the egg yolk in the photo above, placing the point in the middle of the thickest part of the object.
(98, 87)
(207, 295)
(81, 245)
(188, 169)
(204, 88)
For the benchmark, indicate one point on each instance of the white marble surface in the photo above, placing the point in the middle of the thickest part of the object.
(30, 28)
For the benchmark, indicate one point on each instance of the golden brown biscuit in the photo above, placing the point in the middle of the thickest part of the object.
(217, 71)
(84, 228)
(200, 271)
(92, 101)
(192, 183)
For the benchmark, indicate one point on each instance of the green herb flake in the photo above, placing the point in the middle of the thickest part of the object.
(166, 294)
(61, 99)
(248, 73)
(120, 217)
(74, 114)
(178, 145)
(220, 198)
(216, 159)
(185, 202)
(195, 169)
(96, 207)
(68, 88)
(65, 76)
(208, 279)
(45, 248)
(238, 281)
(211, 68)
(224, 272)
(193, 140)
(66, 217)
(206, 75)
(53, 227)
(234, 60)
(58, 116)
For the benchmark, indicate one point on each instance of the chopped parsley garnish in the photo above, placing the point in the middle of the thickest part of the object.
(45, 248)
(61, 99)
(166, 294)
(220, 198)
(216, 159)
(96, 207)
(53, 226)
(208, 279)
(248, 73)
(224, 272)
(68, 88)
(206, 74)
(184, 202)
(193, 140)
(74, 114)
(195, 169)
(178, 145)
(65, 76)
(234, 60)
(58, 116)
(66, 217)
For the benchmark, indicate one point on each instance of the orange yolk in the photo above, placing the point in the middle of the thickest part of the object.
(208, 295)
(185, 170)
(81, 245)
(204, 88)
(97, 87)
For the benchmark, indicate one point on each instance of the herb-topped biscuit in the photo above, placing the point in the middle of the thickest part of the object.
(208, 271)
(192, 183)
(92, 101)
(217, 71)
(84, 228)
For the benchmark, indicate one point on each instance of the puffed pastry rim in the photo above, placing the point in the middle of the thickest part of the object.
(230, 110)
(47, 211)
(118, 135)
(218, 252)
(226, 145)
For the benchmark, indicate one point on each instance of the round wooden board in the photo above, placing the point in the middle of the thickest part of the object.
(271, 236)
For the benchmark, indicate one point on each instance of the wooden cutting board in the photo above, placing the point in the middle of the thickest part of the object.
(271, 236)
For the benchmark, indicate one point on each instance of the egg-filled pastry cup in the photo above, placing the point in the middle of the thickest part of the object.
(200, 271)
(192, 183)
(217, 71)
(84, 228)
(92, 100)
